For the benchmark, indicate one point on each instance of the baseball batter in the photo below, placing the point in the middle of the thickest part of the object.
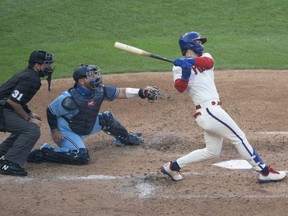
(195, 74)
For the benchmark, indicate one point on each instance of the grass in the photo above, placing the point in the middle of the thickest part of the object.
(241, 34)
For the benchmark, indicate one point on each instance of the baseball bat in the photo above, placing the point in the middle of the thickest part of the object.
(138, 51)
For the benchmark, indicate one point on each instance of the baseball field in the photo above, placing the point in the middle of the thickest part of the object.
(127, 180)
(248, 42)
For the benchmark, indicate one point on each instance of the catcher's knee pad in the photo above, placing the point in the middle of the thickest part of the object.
(111, 126)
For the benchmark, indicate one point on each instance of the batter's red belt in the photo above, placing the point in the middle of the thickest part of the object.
(213, 103)
(196, 114)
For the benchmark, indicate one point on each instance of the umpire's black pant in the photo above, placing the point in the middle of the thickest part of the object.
(22, 139)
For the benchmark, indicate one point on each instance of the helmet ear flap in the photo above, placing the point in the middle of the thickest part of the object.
(197, 48)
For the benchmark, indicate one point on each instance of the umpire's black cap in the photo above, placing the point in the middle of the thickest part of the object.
(41, 57)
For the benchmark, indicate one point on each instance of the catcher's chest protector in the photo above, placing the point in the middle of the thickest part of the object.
(84, 121)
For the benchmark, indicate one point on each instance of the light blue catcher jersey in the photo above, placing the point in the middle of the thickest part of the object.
(110, 93)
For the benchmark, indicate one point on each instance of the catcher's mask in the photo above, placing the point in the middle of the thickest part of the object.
(46, 58)
(190, 40)
(91, 72)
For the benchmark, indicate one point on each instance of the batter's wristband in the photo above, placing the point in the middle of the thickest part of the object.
(141, 93)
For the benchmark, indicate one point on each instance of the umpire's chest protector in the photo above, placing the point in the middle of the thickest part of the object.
(84, 121)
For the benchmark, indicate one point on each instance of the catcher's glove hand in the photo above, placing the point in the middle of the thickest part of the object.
(152, 93)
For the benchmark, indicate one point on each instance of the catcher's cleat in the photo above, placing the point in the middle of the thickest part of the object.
(272, 176)
(10, 168)
(174, 175)
(131, 139)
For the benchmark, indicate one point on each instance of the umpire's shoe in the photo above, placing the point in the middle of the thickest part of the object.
(2, 153)
(10, 168)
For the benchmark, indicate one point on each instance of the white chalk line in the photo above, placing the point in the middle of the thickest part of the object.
(272, 132)
(144, 189)
(206, 196)
(19, 180)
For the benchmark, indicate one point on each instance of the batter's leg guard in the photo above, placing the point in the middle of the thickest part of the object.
(111, 126)
(74, 157)
(257, 162)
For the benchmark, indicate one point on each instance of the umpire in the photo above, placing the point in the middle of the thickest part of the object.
(15, 116)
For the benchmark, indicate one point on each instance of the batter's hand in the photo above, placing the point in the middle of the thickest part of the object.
(183, 63)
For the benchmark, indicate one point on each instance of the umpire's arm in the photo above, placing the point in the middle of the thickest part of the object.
(19, 109)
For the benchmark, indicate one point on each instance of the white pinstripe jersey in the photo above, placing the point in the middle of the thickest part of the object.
(201, 87)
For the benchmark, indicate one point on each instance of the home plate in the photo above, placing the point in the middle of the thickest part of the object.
(234, 164)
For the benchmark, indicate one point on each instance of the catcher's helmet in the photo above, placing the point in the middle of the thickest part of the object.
(190, 41)
(41, 57)
(91, 72)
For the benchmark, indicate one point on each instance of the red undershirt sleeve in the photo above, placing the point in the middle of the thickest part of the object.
(204, 62)
(180, 85)
(201, 62)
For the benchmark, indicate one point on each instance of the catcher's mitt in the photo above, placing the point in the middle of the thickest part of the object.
(152, 93)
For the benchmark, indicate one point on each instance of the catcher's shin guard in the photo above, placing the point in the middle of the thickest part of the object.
(111, 126)
(79, 157)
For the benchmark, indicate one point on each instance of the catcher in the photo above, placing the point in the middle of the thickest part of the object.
(74, 115)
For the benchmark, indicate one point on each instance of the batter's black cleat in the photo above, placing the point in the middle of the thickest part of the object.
(10, 168)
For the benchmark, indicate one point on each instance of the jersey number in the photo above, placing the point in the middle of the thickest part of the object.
(16, 94)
